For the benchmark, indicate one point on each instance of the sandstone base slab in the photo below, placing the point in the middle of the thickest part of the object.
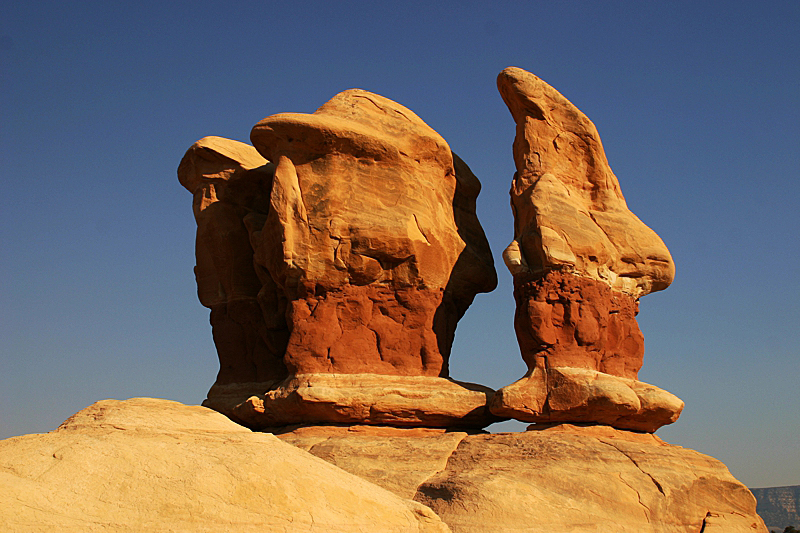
(548, 395)
(148, 465)
(564, 478)
(410, 401)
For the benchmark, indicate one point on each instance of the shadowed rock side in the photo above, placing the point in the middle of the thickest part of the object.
(580, 261)
(231, 186)
(361, 251)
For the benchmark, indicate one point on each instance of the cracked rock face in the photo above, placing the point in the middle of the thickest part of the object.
(346, 242)
(569, 212)
(580, 261)
(562, 478)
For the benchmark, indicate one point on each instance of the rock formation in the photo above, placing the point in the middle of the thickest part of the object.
(355, 253)
(778, 506)
(146, 465)
(555, 478)
(153, 465)
(580, 261)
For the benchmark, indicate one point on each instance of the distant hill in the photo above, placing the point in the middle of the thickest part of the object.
(779, 506)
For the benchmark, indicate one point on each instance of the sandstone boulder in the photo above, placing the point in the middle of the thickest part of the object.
(562, 478)
(148, 465)
(356, 252)
(580, 261)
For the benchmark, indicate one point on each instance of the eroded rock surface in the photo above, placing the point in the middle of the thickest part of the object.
(356, 252)
(231, 185)
(404, 401)
(372, 235)
(580, 261)
(148, 465)
(563, 478)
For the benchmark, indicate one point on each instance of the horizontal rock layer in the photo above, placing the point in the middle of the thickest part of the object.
(153, 465)
(405, 401)
(571, 320)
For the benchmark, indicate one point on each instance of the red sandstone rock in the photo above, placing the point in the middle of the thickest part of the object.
(580, 261)
(372, 235)
(356, 253)
(578, 322)
(231, 185)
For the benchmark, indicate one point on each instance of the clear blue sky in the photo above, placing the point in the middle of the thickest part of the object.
(697, 103)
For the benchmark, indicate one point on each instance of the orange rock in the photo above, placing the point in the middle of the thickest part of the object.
(356, 253)
(372, 225)
(569, 212)
(580, 261)
(231, 186)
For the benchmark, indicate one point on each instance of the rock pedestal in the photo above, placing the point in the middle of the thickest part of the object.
(581, 261)
(355, 253)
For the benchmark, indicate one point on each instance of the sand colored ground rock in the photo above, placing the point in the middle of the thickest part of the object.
(563, 478)
(356, 252)
(580, 261)
(148, 465)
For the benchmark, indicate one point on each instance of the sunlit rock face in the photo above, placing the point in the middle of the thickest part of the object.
(359, 244)
(580, 261)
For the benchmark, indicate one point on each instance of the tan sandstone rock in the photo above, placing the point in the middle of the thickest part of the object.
(580, 261)
(562, 478)
(357, 252)
(147, 465)
(411, 401)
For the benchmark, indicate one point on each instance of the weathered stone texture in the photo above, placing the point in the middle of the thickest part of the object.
(562, 478)
(231, 186)
(575, 321)
(569, 212)
(148, 465)
(357, 252)
(372, 225)
(580, 261)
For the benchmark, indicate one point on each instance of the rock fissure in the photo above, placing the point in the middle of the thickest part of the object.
(636, 464)
(647, 511)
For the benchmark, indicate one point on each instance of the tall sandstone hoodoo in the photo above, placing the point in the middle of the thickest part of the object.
(580, 261)
(337, 256)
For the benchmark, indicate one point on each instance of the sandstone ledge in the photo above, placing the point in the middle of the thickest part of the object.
(406, 401)
(147, 465)
(565, 394)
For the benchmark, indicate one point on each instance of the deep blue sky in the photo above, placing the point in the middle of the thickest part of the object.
(697, 103)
